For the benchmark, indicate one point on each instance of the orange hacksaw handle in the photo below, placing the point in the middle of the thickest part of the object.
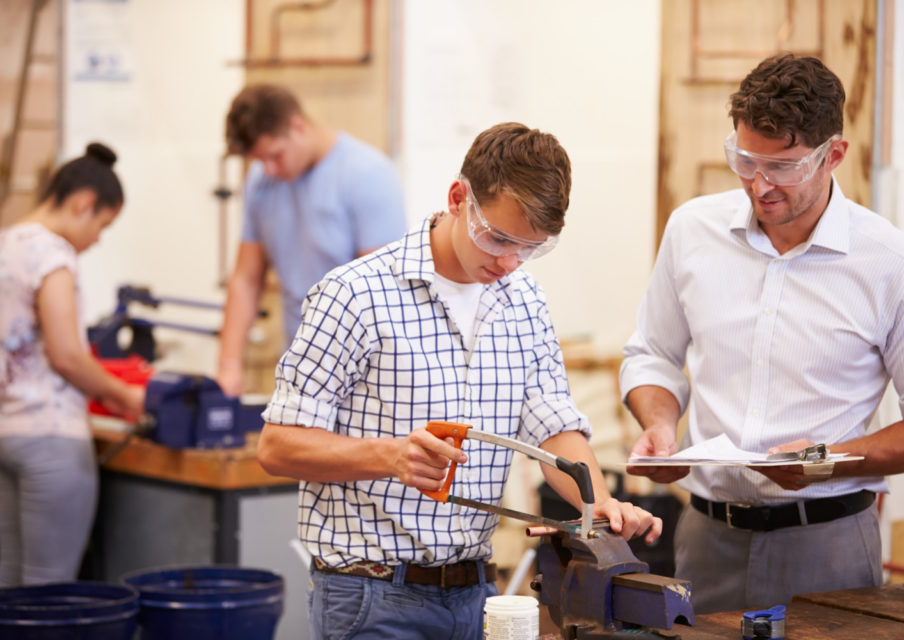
(458, 432)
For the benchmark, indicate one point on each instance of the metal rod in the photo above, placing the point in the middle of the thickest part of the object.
(223, 193)
(517, 515)
(515, 445)
(175, 325)
(185, 302)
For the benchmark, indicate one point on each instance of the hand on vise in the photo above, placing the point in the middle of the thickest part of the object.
(128, 402)
(230, 378)
(628, 520)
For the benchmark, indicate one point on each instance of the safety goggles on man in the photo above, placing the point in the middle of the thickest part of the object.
(497, 242)
(780, 172)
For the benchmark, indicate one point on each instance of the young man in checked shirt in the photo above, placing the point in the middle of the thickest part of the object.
(441, 325)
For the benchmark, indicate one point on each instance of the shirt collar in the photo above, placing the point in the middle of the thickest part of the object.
(415, 260)
(832, 231)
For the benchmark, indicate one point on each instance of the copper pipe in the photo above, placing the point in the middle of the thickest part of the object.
(275, 39)
(281, 9)
(305, 62)
(249, 12)
(887, 75)
(786, 28)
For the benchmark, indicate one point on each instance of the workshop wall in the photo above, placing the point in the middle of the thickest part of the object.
(583, 70)
(154, 81)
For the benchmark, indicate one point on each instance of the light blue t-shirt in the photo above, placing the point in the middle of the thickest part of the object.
(351, 201)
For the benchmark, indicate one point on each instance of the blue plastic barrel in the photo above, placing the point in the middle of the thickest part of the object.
(207, 603)
(71, 610)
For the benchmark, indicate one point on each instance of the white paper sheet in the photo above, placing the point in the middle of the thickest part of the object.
(722, 451)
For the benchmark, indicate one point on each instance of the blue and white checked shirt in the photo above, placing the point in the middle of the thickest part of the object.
(779, 347)
(377, 356)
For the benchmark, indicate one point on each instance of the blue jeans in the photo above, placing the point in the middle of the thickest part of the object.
(343, 606)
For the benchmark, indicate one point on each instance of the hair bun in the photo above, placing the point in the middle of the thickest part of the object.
(101, 152)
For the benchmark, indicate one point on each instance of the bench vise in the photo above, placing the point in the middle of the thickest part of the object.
(192, 411)
(596, 587)
(590, 581)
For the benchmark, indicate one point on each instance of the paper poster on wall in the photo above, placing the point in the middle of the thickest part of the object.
(99, 34)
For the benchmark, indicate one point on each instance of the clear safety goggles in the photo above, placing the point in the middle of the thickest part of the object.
(497, 242)
(780, 172)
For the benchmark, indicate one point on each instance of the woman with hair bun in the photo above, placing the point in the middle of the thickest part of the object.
(48, 474)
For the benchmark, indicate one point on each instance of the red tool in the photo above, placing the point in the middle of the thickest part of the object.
(132, 369)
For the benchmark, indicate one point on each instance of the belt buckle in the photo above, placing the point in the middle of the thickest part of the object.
(728, 507)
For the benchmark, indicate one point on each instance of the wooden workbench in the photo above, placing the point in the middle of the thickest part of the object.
(881, 602)
(160, 507)
(874, 613)
(804, 621)
(233, 468)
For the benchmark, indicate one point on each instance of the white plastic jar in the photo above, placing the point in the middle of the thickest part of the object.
(511, 618)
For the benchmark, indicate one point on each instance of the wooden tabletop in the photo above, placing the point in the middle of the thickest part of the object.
(232, 468)
(882, 602)
(874, 613)
(803, 621)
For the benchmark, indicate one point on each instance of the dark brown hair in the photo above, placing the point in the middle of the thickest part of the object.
(93, 171)
(259, 109)
(527, 164)
(793, 97)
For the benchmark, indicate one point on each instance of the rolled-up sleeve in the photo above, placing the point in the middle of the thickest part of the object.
(323, 363)
(548, 407)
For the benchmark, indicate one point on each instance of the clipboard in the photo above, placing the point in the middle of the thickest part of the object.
(672, 462)
(720, 451)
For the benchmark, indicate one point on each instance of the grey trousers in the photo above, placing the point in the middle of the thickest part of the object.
(48, 495)
(732, 569)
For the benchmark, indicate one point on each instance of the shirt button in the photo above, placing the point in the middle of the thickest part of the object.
(756, 412)
(759, 362)
(767, 311)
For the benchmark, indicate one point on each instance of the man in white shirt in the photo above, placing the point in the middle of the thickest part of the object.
(785, 301)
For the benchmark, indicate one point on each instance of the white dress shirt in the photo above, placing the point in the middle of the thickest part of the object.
(779, 347)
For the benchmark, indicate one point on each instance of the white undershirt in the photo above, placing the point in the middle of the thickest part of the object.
(462, 298)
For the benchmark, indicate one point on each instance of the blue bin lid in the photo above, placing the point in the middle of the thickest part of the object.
(65, 603)
(206, 586)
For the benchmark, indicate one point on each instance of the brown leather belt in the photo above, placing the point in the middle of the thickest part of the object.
(461, 574)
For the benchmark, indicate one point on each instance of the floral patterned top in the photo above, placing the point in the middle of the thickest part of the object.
(34, 399)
